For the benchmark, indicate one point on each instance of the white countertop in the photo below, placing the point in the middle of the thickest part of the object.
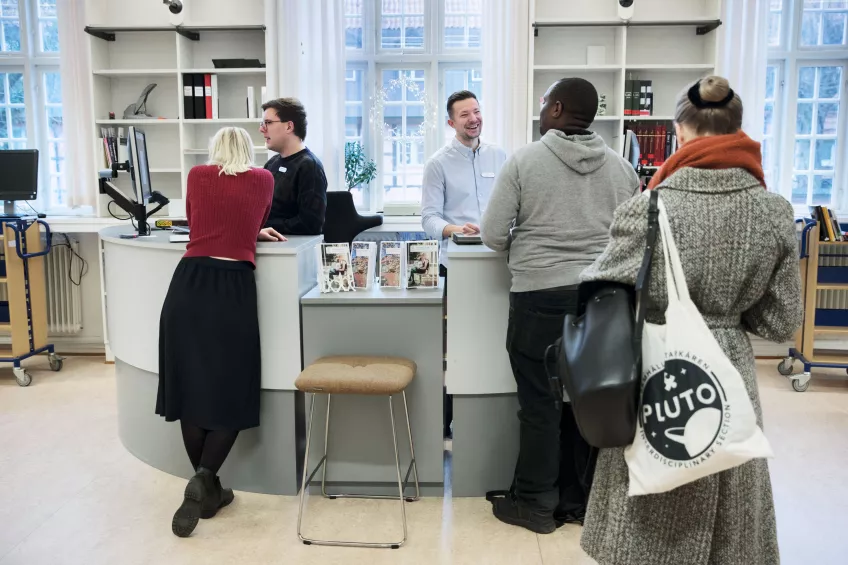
(472, 251)
(159, 239)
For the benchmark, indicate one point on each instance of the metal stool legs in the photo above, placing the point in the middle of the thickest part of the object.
(307, 478)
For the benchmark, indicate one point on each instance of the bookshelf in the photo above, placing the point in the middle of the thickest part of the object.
(125, 59)
(668, 42)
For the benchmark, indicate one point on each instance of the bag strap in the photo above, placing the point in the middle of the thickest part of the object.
(643, 280)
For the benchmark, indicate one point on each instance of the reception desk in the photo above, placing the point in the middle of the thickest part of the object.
(478, 374)
(137, 273)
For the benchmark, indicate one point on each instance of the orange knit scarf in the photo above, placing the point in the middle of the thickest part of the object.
(733, 151)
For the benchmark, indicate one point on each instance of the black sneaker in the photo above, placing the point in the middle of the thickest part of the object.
(512, 511)
(569, 517)
(188, 514)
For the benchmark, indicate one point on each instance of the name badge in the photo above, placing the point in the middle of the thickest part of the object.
(487, 175)
(283, 170)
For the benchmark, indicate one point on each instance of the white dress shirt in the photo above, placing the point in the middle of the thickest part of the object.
(458, 182)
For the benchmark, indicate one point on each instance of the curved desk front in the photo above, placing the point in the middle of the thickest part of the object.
(137, 274)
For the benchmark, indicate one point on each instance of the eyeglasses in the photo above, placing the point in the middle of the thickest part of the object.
(266, 123)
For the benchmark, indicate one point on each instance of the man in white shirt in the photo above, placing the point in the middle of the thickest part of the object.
(459, 177)
(458, 180)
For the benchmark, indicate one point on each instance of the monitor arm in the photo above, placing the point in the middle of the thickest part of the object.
(137, 211)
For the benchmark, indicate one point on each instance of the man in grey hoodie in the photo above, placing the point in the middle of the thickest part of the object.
(552, 207)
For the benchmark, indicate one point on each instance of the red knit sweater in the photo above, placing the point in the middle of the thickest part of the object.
(226, 212)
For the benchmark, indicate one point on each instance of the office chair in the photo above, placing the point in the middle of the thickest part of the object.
(342, 222)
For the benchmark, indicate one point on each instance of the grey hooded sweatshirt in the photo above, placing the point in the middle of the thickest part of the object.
(552, 208)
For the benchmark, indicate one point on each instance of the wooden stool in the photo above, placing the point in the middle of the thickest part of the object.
(377, 376)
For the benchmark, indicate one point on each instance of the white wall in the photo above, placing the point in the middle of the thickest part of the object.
(148, 13)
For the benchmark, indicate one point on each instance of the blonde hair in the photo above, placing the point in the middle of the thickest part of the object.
(231, 149)
(720, 120)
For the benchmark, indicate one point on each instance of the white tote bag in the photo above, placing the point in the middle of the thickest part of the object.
(695, 416)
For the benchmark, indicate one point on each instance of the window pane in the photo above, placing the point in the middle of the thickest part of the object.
(404, 117)
(355, 85)
(4, 128)
(825, 154)
(827, 119)
(810, 24)
(414, 32)
(50, 36)
(463, 21)
(47, 8)
(54, 123)
(802, 155)
(11, 35)
(822, 190)
(16, 88)
(771, 78)
(774, 29)
(9, 8)
(53, 87)
(392, 7)
(353, 24)
(769, 121)
(3, 88)
(18, 123)
(799, 189)
(830, 79)
(807, 82)
(834, 29)
(804, 123)
(391, 86)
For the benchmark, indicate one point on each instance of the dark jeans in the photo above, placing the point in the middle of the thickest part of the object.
(447, 399)
(555, 464)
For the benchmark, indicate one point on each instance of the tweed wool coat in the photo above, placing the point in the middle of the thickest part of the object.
(739, 250)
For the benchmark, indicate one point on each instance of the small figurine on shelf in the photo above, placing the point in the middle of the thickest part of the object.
(139, 109)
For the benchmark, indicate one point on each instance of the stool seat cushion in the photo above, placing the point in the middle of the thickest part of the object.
(357, 375)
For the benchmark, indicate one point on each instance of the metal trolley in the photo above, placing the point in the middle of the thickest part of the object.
(817, 322)
(26, 290)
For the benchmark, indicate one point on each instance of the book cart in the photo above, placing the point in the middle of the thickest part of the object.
(817, 321)
(25, 314)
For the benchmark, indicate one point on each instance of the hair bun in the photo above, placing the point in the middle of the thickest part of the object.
(714, 89)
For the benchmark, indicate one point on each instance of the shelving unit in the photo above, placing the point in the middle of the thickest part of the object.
(670, 43)
(817, 322)
(126, 59)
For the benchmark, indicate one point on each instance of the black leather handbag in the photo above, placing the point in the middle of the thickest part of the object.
(597, 361)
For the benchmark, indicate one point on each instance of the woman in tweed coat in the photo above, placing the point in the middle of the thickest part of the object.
(739, 251)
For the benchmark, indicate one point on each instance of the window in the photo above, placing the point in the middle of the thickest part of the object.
(804, 141)
(404, 58)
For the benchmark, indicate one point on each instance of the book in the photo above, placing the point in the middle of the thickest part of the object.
(628, 97)
(643, 99)
(335, 273)
(215, 115)
(364, 261)
(251, 102)
(647, 108)
(422, 259)
(391, 264)
(207, 94)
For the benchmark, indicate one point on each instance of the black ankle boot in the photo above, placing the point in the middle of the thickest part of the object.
(218, 498)
(197, 491)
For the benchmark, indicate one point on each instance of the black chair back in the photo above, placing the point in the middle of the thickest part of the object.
(342, 222)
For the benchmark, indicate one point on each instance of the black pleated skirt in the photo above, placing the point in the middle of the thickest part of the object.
(209, 356)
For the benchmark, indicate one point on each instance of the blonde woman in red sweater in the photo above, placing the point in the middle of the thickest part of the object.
(209, 358)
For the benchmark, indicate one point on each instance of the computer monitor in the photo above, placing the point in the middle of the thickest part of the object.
(143, 166)
(18, 176)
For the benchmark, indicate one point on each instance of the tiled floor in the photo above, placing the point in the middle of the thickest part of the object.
(70, 494)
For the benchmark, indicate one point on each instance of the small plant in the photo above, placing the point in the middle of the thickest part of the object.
(359, 169)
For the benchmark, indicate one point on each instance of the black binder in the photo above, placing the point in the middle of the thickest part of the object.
(199, 97)
(188, 96)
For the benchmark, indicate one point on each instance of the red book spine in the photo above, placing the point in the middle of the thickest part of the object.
(207, 83)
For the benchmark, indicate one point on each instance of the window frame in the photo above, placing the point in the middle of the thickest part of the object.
(433, 58)
(791, 56)
(34, 63)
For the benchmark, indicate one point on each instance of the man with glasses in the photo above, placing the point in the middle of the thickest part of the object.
(300, 185)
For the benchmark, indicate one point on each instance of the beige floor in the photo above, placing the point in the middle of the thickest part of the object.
(70, 493)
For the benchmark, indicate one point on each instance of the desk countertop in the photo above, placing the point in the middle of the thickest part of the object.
(375, 296)
(478, 251)
(159, 239)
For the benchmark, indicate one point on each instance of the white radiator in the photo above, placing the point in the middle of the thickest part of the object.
(64, 305)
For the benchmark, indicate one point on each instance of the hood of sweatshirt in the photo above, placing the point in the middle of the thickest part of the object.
(583, 154)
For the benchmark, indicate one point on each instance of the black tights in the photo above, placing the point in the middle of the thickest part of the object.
(207, 448)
